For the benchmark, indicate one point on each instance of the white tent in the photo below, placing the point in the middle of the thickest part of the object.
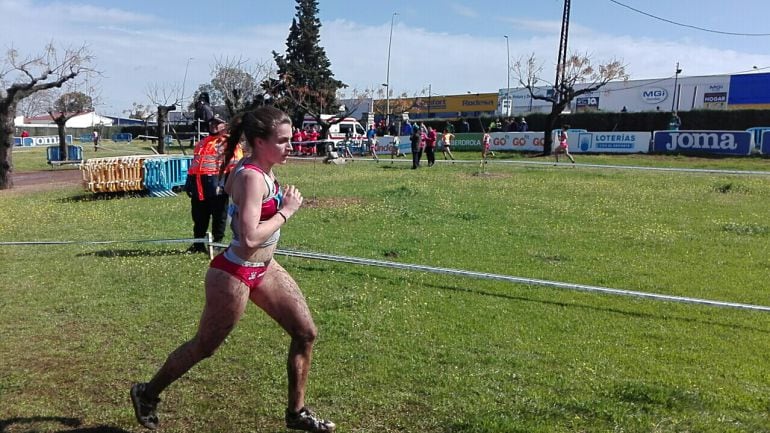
(85, 120)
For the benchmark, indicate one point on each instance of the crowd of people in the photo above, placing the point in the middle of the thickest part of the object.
(303, 140)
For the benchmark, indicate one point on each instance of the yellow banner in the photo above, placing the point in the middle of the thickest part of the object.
(442, 104)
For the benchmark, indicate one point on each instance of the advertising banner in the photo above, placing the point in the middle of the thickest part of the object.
(587, 103)
(521, 141)
(46, 140)
(703, 142)
(609, 142)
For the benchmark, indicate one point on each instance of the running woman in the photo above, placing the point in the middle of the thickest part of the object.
(447, 138)
(563, 147)
(246, 270)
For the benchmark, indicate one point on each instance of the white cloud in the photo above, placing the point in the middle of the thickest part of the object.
(463, 10)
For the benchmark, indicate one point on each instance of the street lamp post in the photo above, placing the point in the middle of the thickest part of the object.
(184, 81)
(676, 78)
(508, 75)
(387, 73)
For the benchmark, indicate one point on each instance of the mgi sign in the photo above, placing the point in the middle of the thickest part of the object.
(654, 95)
(705, 142)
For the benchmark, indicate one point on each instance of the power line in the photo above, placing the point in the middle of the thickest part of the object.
(688, 25)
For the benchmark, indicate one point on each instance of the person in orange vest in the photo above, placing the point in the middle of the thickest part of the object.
(208, 200)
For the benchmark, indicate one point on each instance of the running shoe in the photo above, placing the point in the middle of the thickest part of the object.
(145, 409)
(306, 420)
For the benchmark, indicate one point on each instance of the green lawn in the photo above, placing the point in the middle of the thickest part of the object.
(404, 351)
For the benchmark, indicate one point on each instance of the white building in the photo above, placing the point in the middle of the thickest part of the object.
(665, 94)
(84, 120)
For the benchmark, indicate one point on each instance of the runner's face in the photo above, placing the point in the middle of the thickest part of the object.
(278, 146)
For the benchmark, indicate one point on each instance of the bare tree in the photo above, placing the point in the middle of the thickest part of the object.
(33, 105)
(23, 76)
(165, 97)
(62, 107)
(143, 112)
(578, 70)
(239, 81)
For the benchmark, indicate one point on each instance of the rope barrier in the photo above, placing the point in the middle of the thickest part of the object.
(578, 164)
(431, 269)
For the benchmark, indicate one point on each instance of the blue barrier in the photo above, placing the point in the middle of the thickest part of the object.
(757, 132)
(86, 138)
(74, 154)
(123, 136)
(23, 141)
(162, 175)
(765, 149)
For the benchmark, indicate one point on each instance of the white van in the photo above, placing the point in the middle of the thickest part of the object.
(339, 130)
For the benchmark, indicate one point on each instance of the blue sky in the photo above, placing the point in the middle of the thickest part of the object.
(455, 46)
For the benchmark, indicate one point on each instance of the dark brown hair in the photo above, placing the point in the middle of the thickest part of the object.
(250, 125)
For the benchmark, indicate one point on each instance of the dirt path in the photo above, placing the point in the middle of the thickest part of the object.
(45, 179)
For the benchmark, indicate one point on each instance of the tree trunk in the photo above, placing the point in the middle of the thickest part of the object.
(7, 113)
(162, 115)
(60, 122)
(325, 126)
(550, 124)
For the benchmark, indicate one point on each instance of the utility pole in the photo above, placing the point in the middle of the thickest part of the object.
(674, 105)
(508, 100)
(561, 63)
(387, 73)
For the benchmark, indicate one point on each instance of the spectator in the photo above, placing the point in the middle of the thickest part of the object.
(415, 139)
(208, 200)
(675, 123)
(406, 129)
(203, 112)
(95, 136)
(523, 127)
(430, 146)
(465, 126)
(371, 139)
(512, 126)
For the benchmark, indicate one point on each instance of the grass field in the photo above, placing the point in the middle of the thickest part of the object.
(404, 351)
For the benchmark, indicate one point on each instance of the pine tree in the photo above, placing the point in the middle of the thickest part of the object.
(305, 81)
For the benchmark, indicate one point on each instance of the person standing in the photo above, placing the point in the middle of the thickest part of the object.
(247, 270)
(371, 139)
(208, 200)
(430, 146)
(523, 127)
(675, 123)
(447, 138)
(406, 128)
(563, 146)
(203, 113)
(415, 139)
(465, 127)
(312, 136)
(95, 136)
